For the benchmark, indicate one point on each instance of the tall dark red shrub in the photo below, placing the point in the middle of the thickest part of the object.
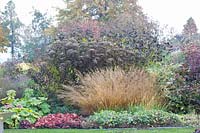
(64, 60)
(192, 56)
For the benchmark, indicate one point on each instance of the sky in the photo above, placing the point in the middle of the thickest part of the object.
(25, 7)
(167, 12)
(173, 13)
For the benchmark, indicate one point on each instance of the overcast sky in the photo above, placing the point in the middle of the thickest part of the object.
(168, 12)
(173, 13)
(24, 7)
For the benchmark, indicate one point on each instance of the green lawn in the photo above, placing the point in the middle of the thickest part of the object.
(171, 130)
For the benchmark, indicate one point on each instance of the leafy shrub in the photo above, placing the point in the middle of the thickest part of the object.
(184, 98)
(146, 118)
(133, 109)
(183, 94)
(58, 106)
(152, 118)
(190, 120)
(190, 74)
(178, 80)
(59, 121)
(121, 26)
(64, 109)
(26, 108)
(111, 89)
(164, 72)
(109, 118)
(64, 60)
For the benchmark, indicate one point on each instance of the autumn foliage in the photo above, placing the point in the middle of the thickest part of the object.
(3, 41)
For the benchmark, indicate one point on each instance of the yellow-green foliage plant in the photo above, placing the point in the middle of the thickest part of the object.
(112, 88)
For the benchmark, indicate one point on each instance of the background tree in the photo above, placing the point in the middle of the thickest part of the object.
(13, 24)
(190, 32)
(190, 27)
(37, 36)
(3, 41)
(188, 36)
(96, 9)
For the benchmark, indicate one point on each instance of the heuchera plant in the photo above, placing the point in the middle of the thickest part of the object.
(59, 121)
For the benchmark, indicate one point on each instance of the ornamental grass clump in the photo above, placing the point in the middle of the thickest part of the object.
(112, 89)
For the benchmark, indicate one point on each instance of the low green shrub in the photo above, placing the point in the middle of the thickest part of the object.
(28, 107)
(191, 120)
(109, 118)
(155, 118)
(58, 106)
(141, 119)
(133, 109)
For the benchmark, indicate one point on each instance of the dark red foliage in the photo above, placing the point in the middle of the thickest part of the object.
(59, 121)
(197, 131)
(87, 29)
(25, 124)
(192, 54)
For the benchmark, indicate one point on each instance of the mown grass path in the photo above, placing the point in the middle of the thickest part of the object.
(170, 130)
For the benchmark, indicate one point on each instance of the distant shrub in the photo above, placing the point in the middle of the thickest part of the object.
(111, 89)
(13, 77)
(18, 84)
